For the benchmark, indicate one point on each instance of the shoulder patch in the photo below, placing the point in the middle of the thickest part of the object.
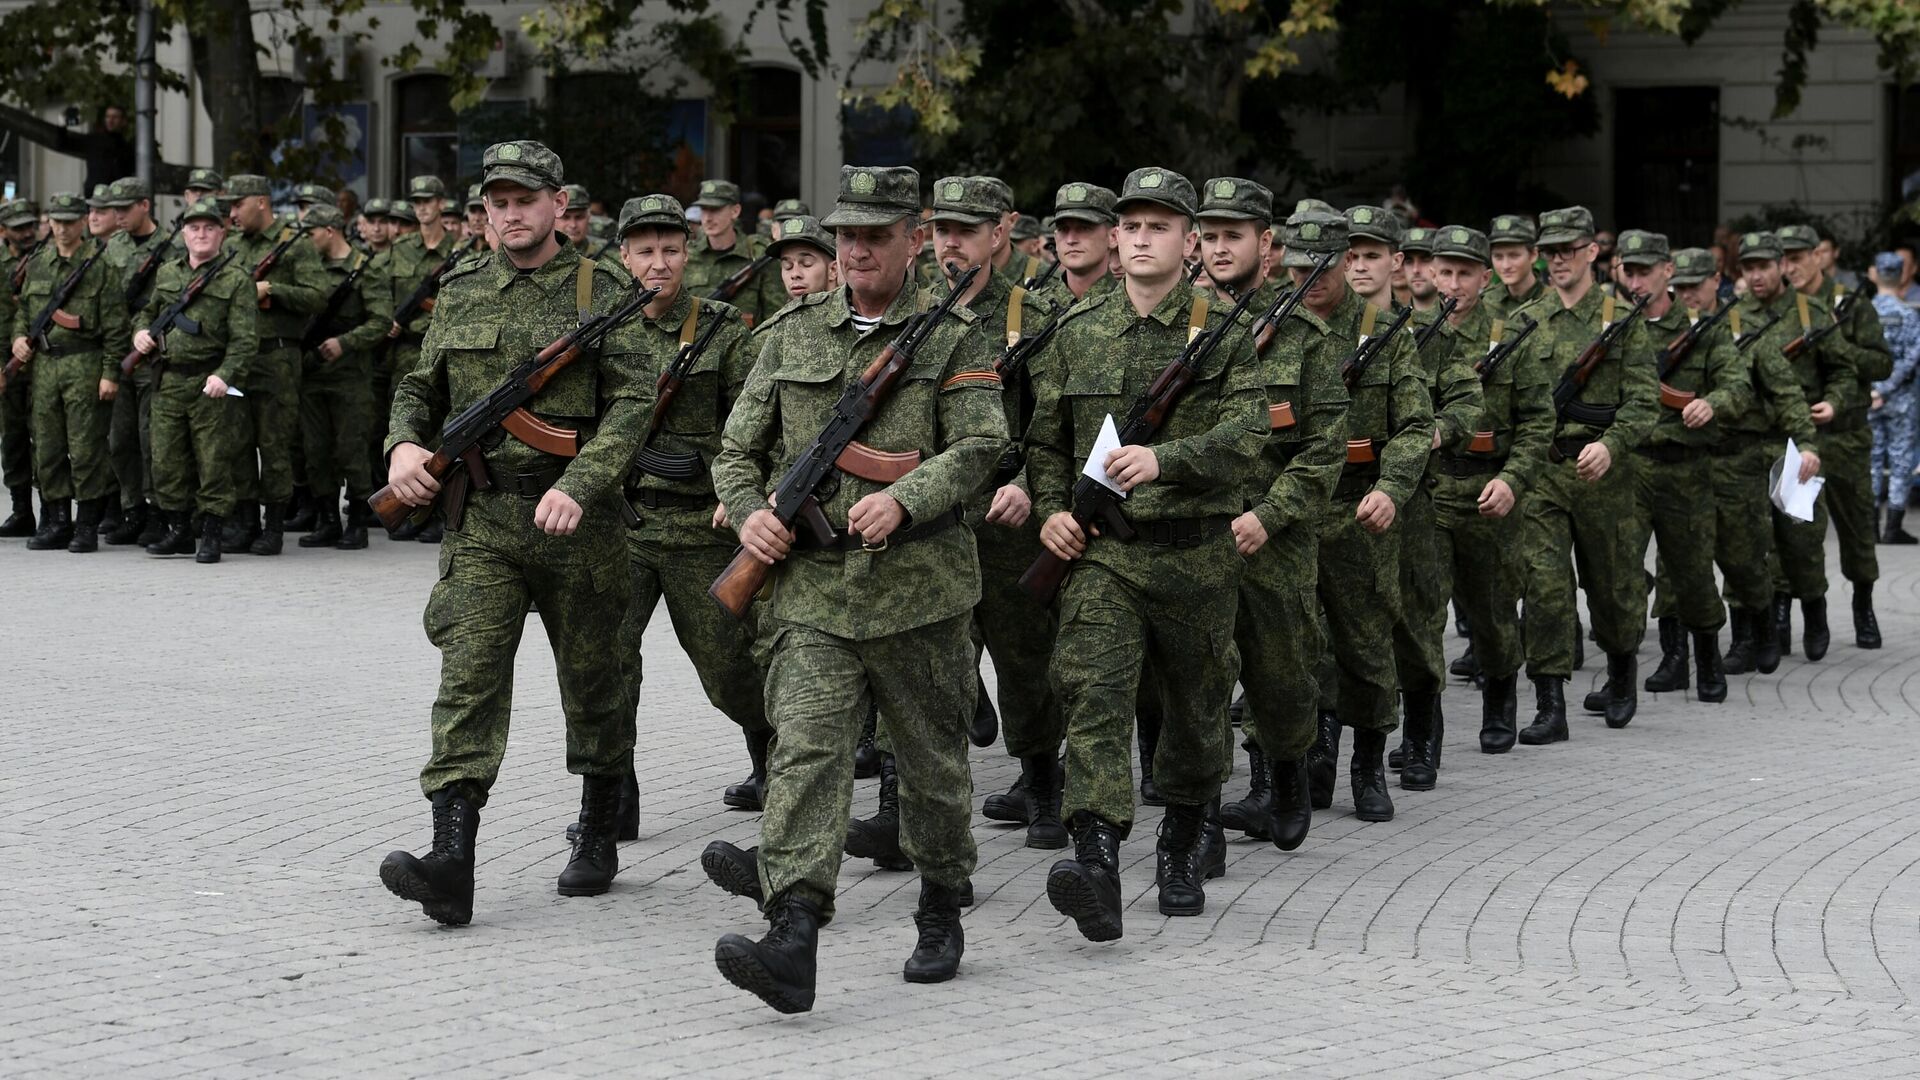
(809, 300)
(458, 270)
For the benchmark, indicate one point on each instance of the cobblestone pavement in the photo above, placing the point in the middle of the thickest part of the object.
(204, 765)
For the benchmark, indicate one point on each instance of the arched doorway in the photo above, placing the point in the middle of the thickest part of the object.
(763, 143)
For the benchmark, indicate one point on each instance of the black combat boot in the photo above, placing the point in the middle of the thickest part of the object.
(1292, 813)
(626, 810)
(1466, 665)
(1766, 645)
(133, 522)
(751, 793)
(441, 882)
(1711, 669)
(20, 522)
(239, 532)
(1783, 622)
(1671, 675)
(1814, 636)
(1895, 531)
(1579, 644)
(109, 516)
(595, 859)
(936, 956)
(433, 532)
(178, 537)
(155, 527)
(324, 531)
(1623, 696)
(735, 870)
(1250, 815)
(878, 837)
(1369, 774)
(86, 528)
(1550, 712)
(1178, 857)
(1498, 714)
(1147, 734)
(1420, 773)
(273, 536)
(353, 536)
(1866, 626)
(986, 721)
(1046, 784)
(1397, 757)
(866, 753)
(1014, 805)
(1739, 658)
(56, 526)
(1323, 760)
(1237, 710)
(212, 527)
(1213, 855)
(779, 968)
(403, 532)
(1086, 888)
(303, 510)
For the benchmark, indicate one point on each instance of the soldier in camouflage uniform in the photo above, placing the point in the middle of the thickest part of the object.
(1083, 222)
(880, 615)
(722, 248)
(805, 250)
(1511, 242)
(378, 232)
(577, 223)
(309, 195)
(193, 415)
(547, 532)
(1582, 505)
(1026, 239)
(336, 386)
(1165, 599)
(22, 222)
(1847, 437)
(76, 376)
(1701, 389)
(476, 208)
(129, 434)
(788, 209)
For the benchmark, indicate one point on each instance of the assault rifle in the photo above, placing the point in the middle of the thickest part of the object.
(141, 279)
(18, 279)
(1676, 352)
(175, 314)
(656, 462)
(1425, 333)
(421, 300)
(796, 500)
(52, 313)
(1363, 354)
(1584, 365)
(1485, 367)
(320, 329)
(1810, 338)
(266, 264)
(730, 288)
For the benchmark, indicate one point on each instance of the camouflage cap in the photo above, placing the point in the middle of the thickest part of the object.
(1691, 266)
(206, 210)
(1418, 240)
(1001, 188)
(1314, 206)
(1025, 227)
(718, 193)
(1237, 200)
(102, 197)
(805, 229)
(325, 216)
(874, 196)
(1797, 237)
(402, 210)
(1313, 234)
(314, 194)
(524, 162)
(426, 187)
(968, 200)
(129, 190)
(475, 197)
(66, 206)
(1568, 226)
(1638, 247)
(791, 208)
(17, 214)
(600, 227)
(651, 212)
(1760, 245)
(1163, 187)
(241, 185)
(1085, 202)
(205, 180)
(1373, 223)
(1512, 229)
(374, 209)
(1460, 242)
(577, 198)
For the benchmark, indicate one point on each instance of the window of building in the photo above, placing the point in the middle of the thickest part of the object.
(1666, 161)
(426, 133)
(764, 142)
(1903, 143)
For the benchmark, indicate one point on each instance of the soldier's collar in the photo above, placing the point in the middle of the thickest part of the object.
(555, 273)
(676, 312)
(1174, 308)
(904, 306)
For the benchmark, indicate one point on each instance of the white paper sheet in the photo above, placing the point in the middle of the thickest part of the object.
(234, 391)
(1792, 497)
(1096, 467)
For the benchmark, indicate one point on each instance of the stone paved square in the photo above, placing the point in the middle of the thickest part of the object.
(204, 765)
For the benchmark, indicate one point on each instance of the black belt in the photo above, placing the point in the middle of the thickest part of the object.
(1672, 453)
(1461, 467)
(1356, 480)
(852, 541)
(268, 344)
(1179, 532)
(528, 484)
(655, 499)
(1733, 442)
(1568, 447)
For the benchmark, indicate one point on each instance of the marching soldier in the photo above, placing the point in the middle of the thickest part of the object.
(788, 209)
(336, 387)
(477, 216)
(1083, 224)
(722, 248)
(377, 228)
(22, 222)
(806, 254)
(1511, 242)
(413, 257)
(129, 438)
(576, 224)
(309, 195)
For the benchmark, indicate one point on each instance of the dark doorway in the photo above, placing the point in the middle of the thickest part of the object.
(426, 132)
(1666, 162)
(764, 142)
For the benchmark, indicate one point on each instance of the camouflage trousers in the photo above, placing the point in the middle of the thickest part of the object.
(1568, 519)
(1419, 634)
(676, 553)
(336, 409)
(1847, 463)
(1742, 528)
(130, 437)
(1129, 606)
(1676, 509)
(381, 378)
(1479, 565)
(192, 438)
(1896, 431)
(1018, 632)
(267, 426)
(1360, 596)
(1277, 635)
(16, 431)
(70, 428)
(818, 689)
(491, 569)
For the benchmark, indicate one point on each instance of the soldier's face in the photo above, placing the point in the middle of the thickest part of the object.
(1233, 251)
(1568, 263)
(1154, 242)
(1647, 280)
(23, 236)
(1371, 266)
(1459, 280)
(1824, 253)
(135, 216)
(1763, 276)
(1802, 269)
(962, 244)
(1513, 262)
(1419, 268)
(717, 221)
(427, 210)
(203, 238)
(1030, 246)
(253, 213)
(523, 219)
(1082, 246)
(656, 258)
(874, 258)
(1701, 296)
(102, 222)
(476, 219)
(803, 270)
(68, 233)
(1326, 293)
(574, 225)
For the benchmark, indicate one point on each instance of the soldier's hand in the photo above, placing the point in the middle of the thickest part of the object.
(109, 389)
(21, 351)
(144, 341)
(1496, 499)
(215, 387)
(330, 349)
(1436, 437)
(765, 538)
(1011, 507)
(557, 514)
(1809, 465)
(1375, 512)
(876, 516)
(1061, 534)
(1878, 401)
(1249, 535)
(1593, 463)
(393, 330)
(407, 474)
(1697, 414)
(1131, 466)
(1822, 412)
(720, 515)
(262, 290)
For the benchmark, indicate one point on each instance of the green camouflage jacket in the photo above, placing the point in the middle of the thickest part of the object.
(126, 254)
(97, 302)
(228, 317)
(299, 282)
(699, 410)
(1451, 383)
(1391, 404)
(1863, 334)
(1306, 444)
(707, 268)
(1516, 402)
(358, 326)
(1625, 381)
(1713, 369)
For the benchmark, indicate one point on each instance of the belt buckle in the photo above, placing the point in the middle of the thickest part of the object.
(872, 549)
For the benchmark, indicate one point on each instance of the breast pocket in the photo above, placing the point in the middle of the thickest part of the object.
(807, 388)
(696, 407)
(1089, 395)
